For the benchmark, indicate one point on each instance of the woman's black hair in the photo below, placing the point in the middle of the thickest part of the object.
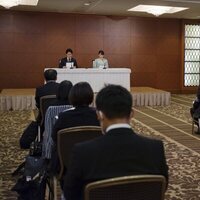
(81, 94)
(63, 90)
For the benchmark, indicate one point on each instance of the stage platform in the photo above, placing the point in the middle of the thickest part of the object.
(146, 96)
(17, 99)
(24, 99)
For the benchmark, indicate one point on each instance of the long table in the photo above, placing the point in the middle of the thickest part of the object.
(97, 78)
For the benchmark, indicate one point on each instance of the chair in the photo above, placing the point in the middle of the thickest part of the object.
(137, 187)
(66, 138)
(45, 102)
(194, 122)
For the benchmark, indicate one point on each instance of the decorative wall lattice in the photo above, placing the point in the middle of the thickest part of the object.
(192, 55)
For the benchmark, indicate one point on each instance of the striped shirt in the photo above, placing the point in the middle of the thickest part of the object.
(50, 119)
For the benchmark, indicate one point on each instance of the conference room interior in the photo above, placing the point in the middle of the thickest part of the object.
(152, 47)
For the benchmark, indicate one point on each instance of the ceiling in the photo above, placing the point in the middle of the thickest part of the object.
(113, 7)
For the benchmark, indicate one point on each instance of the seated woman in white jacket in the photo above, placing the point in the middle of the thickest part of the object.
(100, 62)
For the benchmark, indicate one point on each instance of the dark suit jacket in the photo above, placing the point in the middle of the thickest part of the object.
(80, 116)
(63, 62)
(120, 152)
(50, 88)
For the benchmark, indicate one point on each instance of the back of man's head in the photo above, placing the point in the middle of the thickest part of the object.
(114, 101)
(50, 75)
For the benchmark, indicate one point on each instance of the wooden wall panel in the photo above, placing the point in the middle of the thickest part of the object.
(117, 45)
(58, 42)
(167, 80)
(119, 60)
(89, 25)
(144, 46)
(31, 41)
(145, 79)
(144, 27)
(117, 26)
(91, 44)
(6, 41)
(143, 63)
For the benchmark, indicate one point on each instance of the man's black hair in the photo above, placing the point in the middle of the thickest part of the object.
(69, 50)
(114, 101)
(50, 75)
(81, 94)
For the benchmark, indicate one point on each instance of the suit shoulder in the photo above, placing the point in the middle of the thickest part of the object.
(89, 145)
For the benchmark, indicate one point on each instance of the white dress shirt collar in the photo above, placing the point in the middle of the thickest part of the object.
(120, 125)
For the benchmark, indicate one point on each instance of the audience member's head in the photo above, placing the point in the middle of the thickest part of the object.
(81, 94)
(50, 75)
(63, 90)
(114, 105)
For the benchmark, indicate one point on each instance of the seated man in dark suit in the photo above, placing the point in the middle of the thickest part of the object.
(119, 152)
(50, 88)
(68, 60)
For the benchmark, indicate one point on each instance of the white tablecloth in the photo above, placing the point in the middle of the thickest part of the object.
(97, 78)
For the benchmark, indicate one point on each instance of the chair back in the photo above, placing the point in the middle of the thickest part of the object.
(66, 138)
(137, 187)
(45, 102)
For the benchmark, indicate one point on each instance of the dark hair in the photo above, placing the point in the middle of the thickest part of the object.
(101, 52)
(114, 101)
(81, 94)
(69, 50)
(63, 90)
(50, 74)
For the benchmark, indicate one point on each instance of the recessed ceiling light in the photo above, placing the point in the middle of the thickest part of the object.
(10, 3)
(156, 10)
(87, 4)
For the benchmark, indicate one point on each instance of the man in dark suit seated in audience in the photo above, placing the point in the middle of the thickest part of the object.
(119, 152)
(49, 88)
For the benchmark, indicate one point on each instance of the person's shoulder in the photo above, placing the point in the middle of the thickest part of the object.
(151, 141)
(97, 59)
(90, 145)
(66, 112)
(40, 87)
(57, 84)
(63, 59)
(146, 139)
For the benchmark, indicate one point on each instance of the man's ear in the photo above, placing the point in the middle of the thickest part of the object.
(132, 113)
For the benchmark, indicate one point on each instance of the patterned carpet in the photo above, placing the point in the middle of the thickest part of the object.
(184, 165)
